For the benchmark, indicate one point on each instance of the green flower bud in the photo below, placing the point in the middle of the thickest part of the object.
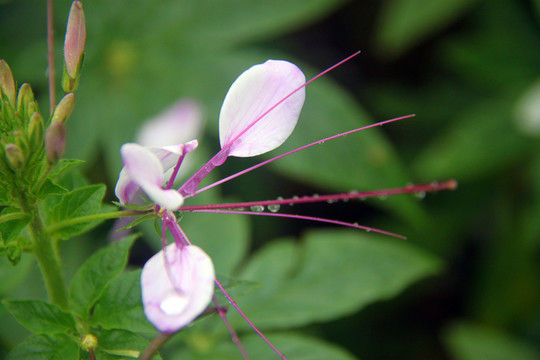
(35, 130)
(7, 84)
(55, 141)
(14, 156)
(63, 110)
(88, 342)
(24, 97)
(75, 39)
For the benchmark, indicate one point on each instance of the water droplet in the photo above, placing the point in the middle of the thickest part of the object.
(257, 208)
(315, 195)
(383, 197)
(273, 208)
(355, 224)
(174, 303)
(419, 195)
(331, 201)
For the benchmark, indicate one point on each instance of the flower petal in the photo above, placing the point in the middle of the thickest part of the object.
(176, 292)
(254, 93)
(179, 123)
(144, 169)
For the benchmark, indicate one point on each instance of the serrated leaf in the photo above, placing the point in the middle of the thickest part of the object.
(90, 281)
(46, 347)
(41, 317)
(469, 341)
(50, 188)
(80, 202)
(332, 274)
(120, 306)
(63, 165)
(124, 344)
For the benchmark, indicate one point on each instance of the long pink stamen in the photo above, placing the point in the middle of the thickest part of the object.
(430, 187)
(234, 336)
(175, 172)
(190, 186)
(319, 142)
(233, 303)
(303, 217)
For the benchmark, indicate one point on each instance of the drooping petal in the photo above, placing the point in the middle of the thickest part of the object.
(255, 92)
(145, 170)
(178, 124)
(128, 191)
(176, 292)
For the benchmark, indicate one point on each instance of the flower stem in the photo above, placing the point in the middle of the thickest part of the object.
(50, 57)
(155, 345)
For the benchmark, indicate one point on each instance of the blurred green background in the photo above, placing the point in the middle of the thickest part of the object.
(468, 69)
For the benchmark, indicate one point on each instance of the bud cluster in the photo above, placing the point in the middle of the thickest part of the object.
(29, 144)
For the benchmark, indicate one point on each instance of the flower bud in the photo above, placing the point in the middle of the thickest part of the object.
(63, 110)
(55, 141)
(35, 130)
(7, 84)
(24, 98)
(75, 39)
(14, 156)
(88, 342)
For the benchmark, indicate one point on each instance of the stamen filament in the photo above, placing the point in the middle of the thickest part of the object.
(303, 217)
(175, 172)
(294, 151)
(429, 187)
(234, 336)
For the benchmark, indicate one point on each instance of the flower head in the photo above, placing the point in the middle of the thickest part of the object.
(177, 285)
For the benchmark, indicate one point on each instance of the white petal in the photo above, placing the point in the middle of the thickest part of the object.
(179, 123)
(256, 91)
(176, 292)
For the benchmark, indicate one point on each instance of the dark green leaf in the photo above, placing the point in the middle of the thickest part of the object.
(46, 347)
(12, 276)
(121, 344)
(50, 188)
(346, 269)
(468, 341)
(403, 24)
(80, 202)
(63, 165)
(41, 317)
(90, 281)
(120, 306)
(235, 288)
(12, 222)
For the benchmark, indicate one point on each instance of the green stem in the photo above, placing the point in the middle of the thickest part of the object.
(155, 345)
(88, 218)
(12, 216)
(47, 258)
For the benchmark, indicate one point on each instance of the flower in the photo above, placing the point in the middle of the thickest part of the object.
(174, 298)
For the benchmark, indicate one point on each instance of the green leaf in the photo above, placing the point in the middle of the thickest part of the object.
(293, 345)
(63, 165)
(90, 281)
(403, 24)
(481, 141)
(120, 306)
(121, 344)
(46, 347)
(50, 188)
(12, 222)
(12, 276)
(235, 288)
(331, 274)
(80, 202)
(41, 317)
(469, 341)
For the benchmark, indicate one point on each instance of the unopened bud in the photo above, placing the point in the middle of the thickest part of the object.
(7, 84)
(14, 156)
(55, 141)
(63, 110)
(88, 342)
(75, 39)
(24, 98)
(35, 130)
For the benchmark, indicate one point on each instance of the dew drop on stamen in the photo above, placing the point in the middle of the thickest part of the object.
(383, 197)
(273, 208)
(419, 195)
(257, 208)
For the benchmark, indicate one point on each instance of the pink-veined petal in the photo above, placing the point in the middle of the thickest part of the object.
(176, 292)
(179, 123)
(143, 168)
(256, 91)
